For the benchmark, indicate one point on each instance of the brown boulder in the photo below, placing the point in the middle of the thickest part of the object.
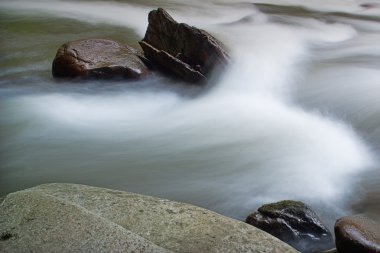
(294, 223)
(98, 58)
(182, 50)
(357, 234)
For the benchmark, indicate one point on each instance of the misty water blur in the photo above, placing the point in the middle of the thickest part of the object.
(295, 116)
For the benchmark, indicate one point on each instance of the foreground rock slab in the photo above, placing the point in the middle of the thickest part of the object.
(185, 51)
(98, 58)
(294, 223)
(78, 218)
(357, 234)
(34, 222)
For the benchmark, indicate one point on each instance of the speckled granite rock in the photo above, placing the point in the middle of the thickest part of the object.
(32, 221)
(91, 219)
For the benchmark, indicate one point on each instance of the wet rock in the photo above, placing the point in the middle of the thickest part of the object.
(172, 64)
(294, 223)
(98, 58)
(78, 218)
(357, 234)
(182, 50)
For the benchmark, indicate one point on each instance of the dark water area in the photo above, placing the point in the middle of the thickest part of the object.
(296, 116)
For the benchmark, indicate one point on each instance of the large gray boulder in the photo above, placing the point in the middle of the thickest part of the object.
(357, 234)
(100, 59)
(185, 51)
(78, 218)
(294, 223)
(36, 222)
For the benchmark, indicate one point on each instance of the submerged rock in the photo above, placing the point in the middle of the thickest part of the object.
(357, 234)
(98, 58)
(294, 223)
(182, 50)
(78, 218)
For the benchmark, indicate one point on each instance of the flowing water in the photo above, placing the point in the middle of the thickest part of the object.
(296, 115)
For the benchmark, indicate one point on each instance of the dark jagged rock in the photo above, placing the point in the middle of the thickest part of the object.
(294, 223)
(171, 64)
(98, 58)
(182, 50)
(357, 234)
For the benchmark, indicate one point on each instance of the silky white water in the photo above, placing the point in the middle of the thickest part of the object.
(295, 116)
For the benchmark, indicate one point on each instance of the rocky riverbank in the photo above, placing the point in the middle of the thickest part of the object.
(77, 218)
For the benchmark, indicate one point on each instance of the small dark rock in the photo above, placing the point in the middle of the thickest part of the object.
(181, 50)
(367, 5)
(98, 58)
(357, 234)
(6, 236)
(294, 223)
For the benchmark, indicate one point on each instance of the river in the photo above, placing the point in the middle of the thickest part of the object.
(295, 116)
